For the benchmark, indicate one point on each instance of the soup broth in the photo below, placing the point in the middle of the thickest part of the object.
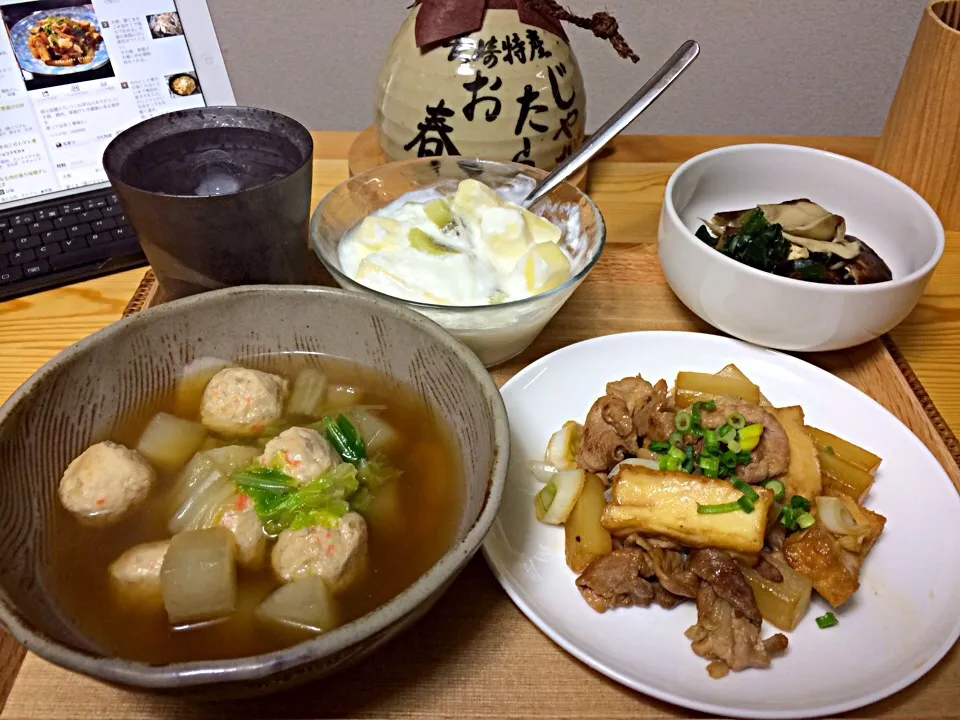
(402, 545)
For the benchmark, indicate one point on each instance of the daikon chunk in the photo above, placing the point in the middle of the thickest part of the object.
(169, 442)
(198, 576)
(305, 604)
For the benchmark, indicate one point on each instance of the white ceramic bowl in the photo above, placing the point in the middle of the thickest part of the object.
(781, 312)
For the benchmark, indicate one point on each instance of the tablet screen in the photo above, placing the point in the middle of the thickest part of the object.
(73, 75)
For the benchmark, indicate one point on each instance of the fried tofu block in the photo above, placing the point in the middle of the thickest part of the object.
(816, 554)
(803, 473)
(664, 504)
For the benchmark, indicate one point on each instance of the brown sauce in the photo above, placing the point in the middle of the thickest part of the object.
(399, 553)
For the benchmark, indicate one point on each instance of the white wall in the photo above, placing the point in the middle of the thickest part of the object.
(804, 67)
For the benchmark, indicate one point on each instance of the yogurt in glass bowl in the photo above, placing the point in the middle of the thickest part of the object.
(497, 275)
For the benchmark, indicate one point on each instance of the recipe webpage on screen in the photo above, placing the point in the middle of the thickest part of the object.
(73, 75)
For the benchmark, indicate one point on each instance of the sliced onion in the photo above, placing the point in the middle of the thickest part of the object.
(555, 501)
(542, 471)
(210, 507)
(196, 502)
(223, 460)
(564, 445)
(232, 457)
(309, 393)
(835, 516)
(194, 472)
(642, 462)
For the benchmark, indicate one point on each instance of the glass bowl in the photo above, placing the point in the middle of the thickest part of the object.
(495, 333)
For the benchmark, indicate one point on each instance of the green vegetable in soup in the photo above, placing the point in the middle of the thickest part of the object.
(281, 504)
(375, 472)
(345, 438)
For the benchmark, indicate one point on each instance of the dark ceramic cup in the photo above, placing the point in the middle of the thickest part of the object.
(219, 196)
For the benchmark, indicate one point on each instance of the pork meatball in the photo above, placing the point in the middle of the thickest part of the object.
(238, 401)
(335, 554)
(137, 571)
(301, 453)
(240, 518)
(105, 484)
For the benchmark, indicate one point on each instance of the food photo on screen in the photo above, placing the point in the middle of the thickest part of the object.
(57, 42)
(183, 84)
(164, 25)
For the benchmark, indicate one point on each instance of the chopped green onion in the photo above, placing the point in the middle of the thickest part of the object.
(677, 453)
(744, 488)
(718, 509)
(734, 446)
(777, 487)
(676, 438)
(688, 461)
(673, 464)
(710, 440)
(744, 457)
(788, 518)
(805, 520)
(746, 504)
(723, 430)
(826, 621)
(695, 412)
(345, 438)
(737, 420)
(728, 459)
(710, 464)
(265, 478)
(798, 502)
(544, 499)
(754, 430)
(683, 421)
(708, 405)
(663, 462)
(659, 447)
(729, 436)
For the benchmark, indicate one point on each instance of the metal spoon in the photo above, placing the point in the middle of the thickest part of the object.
(644, 98)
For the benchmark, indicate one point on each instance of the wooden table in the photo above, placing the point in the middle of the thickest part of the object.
(627, 184)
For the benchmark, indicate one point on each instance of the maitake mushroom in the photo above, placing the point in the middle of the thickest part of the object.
(811, 228)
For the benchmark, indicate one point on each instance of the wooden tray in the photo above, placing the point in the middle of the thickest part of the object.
(475, 654)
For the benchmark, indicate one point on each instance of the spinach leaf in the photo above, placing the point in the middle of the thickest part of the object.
(704, 234)
(756, 242)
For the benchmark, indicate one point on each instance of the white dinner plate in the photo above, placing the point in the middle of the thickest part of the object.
(901, 622)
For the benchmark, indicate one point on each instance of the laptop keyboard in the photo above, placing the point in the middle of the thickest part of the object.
(63, 243)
